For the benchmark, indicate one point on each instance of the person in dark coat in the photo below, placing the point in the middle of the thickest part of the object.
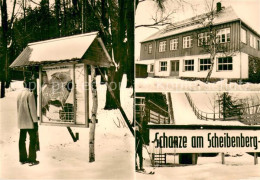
(139, 149)
(27, 123)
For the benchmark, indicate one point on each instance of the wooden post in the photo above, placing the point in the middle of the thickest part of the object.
(153, 159)
(194, 158)
(255, 159)
(86, 94)
(74, 93)
(170, 108)
(223, 158)
(40, 94)
(92, 125)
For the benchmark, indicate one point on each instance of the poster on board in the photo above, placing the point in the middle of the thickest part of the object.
(63, 95)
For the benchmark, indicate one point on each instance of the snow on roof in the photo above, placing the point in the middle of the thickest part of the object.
(59, 49)
(224, 16)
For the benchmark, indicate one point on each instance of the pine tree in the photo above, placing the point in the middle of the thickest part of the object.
(229, 106)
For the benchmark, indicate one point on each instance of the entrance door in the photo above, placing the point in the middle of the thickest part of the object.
(175, 68)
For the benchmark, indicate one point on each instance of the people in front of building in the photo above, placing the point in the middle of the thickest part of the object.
(27, 123)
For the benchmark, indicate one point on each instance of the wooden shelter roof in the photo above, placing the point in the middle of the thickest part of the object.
(87, 48)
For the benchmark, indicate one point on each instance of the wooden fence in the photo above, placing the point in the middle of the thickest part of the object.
(156, 114)
(246, 118)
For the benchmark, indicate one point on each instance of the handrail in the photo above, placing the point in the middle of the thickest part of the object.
(158, 106)
(201, 114)
(244, 118)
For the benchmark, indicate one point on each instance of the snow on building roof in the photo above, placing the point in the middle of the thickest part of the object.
(60, 49)
(224, 16)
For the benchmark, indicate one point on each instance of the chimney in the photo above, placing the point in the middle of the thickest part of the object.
(219, 6)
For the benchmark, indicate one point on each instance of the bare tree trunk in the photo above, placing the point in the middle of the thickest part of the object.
(114, 82)
(130, 43)
(119, 49)
(64, 27)
(212, 60)
(57, 11)
(2, 89)
(92, 125)
(4, 61)
(170, 108)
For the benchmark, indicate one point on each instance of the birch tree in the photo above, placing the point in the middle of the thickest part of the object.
(92, 125)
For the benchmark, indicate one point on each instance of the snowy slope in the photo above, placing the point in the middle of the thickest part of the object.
(183, 113)
(182, 110)
(60, 157)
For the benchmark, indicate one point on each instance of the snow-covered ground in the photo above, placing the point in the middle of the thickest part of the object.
(60, 157)
(235, 168)
(172, 84)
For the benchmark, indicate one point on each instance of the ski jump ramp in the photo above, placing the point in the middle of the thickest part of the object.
(184, 115)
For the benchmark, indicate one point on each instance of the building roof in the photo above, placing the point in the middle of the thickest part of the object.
(224, 16)
(69, 48)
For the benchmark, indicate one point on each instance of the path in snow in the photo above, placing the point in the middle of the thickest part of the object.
(60, 157)
(183, 113)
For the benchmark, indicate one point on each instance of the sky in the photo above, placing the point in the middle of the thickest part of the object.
(247, 10)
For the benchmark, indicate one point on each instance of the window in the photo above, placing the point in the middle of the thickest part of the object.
(203, 39)
(225, 64)
(187, 42)
(163, 66)
(151, 67)
(252, 41)
(150, 48)
(174, 44)
(162, 46)
(189, 65)
(258, 45)
(243, 35)
(145, 48)
(205, 64)
(223, 35)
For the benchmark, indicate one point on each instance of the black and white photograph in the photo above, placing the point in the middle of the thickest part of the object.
(67, 78)
(197, 45)
(130, 89)
(182, 136)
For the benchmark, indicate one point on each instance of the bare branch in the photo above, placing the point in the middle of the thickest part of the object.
(12, 17)
(34, 2)
(162, 21)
